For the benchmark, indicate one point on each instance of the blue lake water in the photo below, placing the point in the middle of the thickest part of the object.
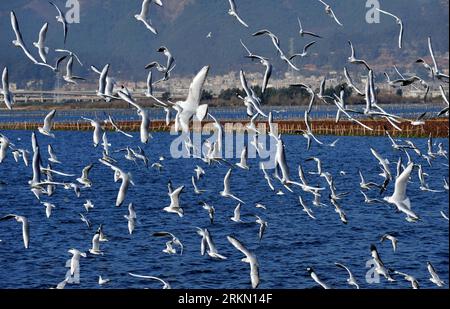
(292, 242)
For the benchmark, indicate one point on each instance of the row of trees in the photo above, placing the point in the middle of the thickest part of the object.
(289, 96)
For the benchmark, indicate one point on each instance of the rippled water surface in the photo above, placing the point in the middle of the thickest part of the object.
(292, 242)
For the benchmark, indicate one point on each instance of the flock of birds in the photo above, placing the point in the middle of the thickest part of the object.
(43, 182)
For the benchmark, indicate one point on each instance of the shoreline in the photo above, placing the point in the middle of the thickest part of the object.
(435, 127)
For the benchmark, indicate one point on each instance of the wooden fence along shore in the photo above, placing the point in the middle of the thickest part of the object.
(437, 127)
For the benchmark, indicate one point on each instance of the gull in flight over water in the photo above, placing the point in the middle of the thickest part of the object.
(434, 276)
(75, 261)
(237, 214)
(208, 242)
(226, 188)
(97, 135)
(95, 250)
(19, 42)
(414, 282)
(126, 180)
(316, 278)
(40, 44)
(250, 258)
(166, 285)
(25, 227)
(379, 265)
(131, 218)
(210, 209)
(69, 77)
(53, 158)
(306, 209)
(48, 208)
(190, 106)
(8, 96)
(174, 240)
(48, 123)
(399, 198)
(393, 240)
(84, 179)
(174, 206)
(351, 280)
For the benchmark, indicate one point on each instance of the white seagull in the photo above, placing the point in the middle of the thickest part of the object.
(330, 12)
(399, 198)
(40, 44)
(351, 280)
(316, 278)
(126, 180)
(190, 106)
(48, 123)
(75, 261)
(379, 265)
(250, 258)
(208, 242)
(8, 96)
(399, 22)
(393, 240)
(97, 135)
(61, 18)
(166, 285)
(237, 214)
(174, 206)
(226, 188)
(303, 32)
(25, 227)
(434, 276)
(131, 217)
(143, 15)
(233, 12)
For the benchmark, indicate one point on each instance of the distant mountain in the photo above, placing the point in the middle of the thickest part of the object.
(108, 33)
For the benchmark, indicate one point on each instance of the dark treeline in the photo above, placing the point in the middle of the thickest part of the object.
(292, 96)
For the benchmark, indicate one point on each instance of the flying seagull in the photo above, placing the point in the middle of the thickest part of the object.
(143, 15)
(304, 53)
(351, 280)
(434, 276)
(40, 44)
(233, 12)
(166, 285)
(330, 12)
(393, 240)
(25, 227)
(250, 258)
(379, 265)
(316, 278)
(8, 96)
(354, 60)
(48, 123)
(399, 22)
(303, 32)
(61, 18)
(399, 198)
(226, 188)
(190, 106)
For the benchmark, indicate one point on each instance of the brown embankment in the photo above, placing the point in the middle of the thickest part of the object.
(437, 127)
